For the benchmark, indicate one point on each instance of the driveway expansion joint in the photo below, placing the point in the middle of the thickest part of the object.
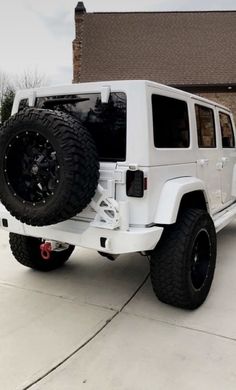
(89, 340)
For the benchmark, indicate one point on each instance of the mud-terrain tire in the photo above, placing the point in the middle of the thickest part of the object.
(49, 167)
(26, 251)
(183, 262)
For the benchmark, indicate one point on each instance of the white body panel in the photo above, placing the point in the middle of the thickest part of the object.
(171, 195)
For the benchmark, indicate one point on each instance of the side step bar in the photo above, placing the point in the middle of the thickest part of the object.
(222, 218)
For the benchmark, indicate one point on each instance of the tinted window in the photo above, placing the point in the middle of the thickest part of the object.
(105, 122)
(205, 127)
(24, 103)
(226, 131)
(170, 122)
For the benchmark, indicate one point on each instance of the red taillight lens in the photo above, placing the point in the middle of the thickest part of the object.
(135, 183)
(145, 183)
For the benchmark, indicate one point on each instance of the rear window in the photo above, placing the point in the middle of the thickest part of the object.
(24, 103)
(105, 122)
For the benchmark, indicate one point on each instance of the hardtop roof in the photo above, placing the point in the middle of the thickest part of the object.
(95, 86)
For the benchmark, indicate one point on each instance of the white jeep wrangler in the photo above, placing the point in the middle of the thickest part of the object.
(119, 167)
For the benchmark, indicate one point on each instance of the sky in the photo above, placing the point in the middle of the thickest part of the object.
(37, 35)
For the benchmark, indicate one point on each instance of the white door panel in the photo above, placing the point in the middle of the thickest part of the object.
(208, 170)
(209, 165)
(228, 164)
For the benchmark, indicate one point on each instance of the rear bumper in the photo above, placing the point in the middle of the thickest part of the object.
(82, 234)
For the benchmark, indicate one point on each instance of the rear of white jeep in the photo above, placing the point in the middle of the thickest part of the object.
(116, 217)
(110, 167)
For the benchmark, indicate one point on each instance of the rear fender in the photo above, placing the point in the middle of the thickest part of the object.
(171, 196)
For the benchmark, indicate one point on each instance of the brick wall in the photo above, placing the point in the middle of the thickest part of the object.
(228, 99)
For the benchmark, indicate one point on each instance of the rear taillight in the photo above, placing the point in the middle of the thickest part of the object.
(135, 183)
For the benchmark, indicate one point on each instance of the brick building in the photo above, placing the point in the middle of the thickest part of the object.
(194, 51)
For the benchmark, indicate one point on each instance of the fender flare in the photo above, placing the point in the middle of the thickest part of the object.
(171, 196)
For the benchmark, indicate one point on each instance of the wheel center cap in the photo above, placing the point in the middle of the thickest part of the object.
(35, 169)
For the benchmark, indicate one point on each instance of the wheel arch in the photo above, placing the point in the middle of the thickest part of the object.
(179, 194)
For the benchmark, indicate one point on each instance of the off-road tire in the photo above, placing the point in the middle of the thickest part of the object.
(184, 246)
(27, 252)
(77, 166)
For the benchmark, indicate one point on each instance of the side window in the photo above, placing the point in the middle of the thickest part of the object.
(226, 131)
(170, 122)
(205, 127)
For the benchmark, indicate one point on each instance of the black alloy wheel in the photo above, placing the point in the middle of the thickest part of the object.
(183, 263)
(201, 257)
(31, 168)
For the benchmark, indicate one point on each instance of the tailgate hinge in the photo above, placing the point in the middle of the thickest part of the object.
(107, 210)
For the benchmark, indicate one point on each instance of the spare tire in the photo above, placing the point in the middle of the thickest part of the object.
(49, 167)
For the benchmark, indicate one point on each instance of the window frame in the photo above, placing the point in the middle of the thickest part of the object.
(220, 112)
(214, 125)
(179, 99)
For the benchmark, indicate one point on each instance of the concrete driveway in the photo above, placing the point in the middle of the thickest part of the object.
(96, 325)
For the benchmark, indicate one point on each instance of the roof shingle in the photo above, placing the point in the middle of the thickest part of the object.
(175, 48)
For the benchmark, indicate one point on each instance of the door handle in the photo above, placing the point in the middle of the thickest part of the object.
(225, 161)
(203, 162)
(219, 166)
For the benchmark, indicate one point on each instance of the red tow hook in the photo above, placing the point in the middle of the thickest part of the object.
(46, 250)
